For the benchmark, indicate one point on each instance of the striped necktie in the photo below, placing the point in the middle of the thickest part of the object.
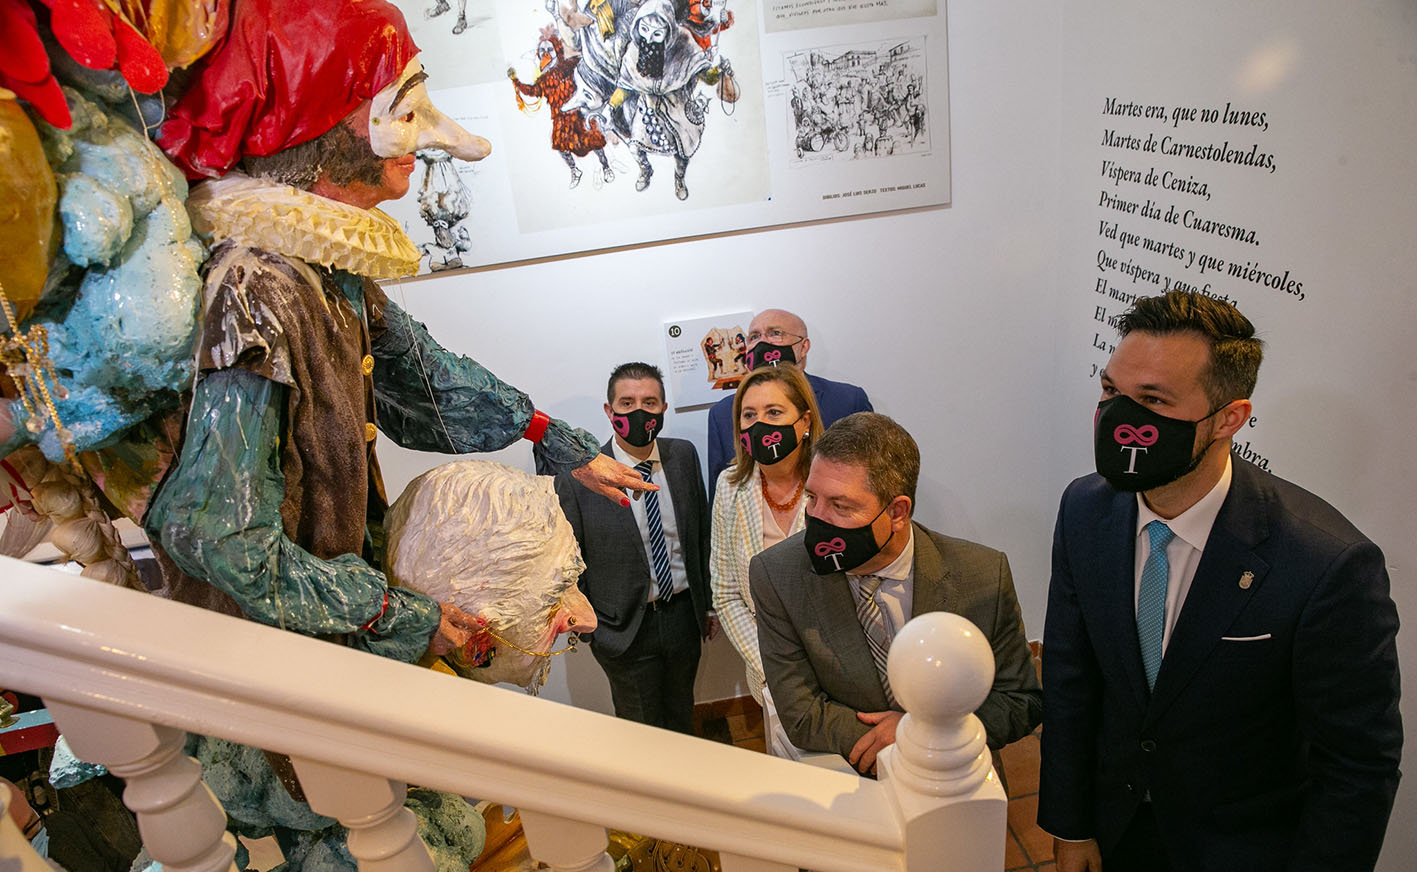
(873, 622)
(1151, 600)
(658, 550)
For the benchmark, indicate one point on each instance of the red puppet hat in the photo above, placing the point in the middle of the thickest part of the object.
(284, 74)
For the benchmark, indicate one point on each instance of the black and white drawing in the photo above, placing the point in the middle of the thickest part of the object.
(851, 102)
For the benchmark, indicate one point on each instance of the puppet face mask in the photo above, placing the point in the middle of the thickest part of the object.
(402, 120)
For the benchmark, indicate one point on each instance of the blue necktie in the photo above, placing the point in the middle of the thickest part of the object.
(1151, 600)
(658, 550)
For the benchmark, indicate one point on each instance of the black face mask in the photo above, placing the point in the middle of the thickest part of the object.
(766, 354)
(840, 549)
(1137, 450)
(637, 428)
(768, 443)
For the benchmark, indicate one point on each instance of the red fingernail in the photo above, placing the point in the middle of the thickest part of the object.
(624, 502)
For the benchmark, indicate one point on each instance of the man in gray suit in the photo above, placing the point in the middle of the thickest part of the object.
(646, 570)
(831, 598)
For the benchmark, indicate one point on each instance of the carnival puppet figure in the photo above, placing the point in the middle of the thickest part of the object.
(301, 119)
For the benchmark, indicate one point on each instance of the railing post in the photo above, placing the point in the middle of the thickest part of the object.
(16, 855)
(953, 810)
(566, 845)
(182, 824)
(383, 835)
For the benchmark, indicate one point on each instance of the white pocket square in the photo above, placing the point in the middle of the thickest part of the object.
(1259, 638)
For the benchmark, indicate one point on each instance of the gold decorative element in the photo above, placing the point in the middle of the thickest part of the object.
(370, 431)
(633, 853)
(571, 642)
(7, 713)
(1246, 580)
(25, 357)
(302, 225)
(367, 364)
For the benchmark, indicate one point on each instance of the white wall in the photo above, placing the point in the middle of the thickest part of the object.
(1337, 394)
(943, 315)
(965, 323)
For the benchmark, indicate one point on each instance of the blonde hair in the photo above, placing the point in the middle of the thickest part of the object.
(799, 393)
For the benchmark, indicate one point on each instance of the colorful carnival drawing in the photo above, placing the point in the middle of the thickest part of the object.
(639, 76)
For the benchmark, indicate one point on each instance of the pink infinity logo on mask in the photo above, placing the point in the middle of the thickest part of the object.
(772, 356)
(1126, 434)
(772, 439)
(621, 424)
(651, 424)
(835, 546)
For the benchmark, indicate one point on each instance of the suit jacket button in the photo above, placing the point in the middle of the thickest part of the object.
(1148, 745)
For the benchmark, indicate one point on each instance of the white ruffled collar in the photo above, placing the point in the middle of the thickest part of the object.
(299, 224)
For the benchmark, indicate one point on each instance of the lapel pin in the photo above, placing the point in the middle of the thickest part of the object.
(1246, 580)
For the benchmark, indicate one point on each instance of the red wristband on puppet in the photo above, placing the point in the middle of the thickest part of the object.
(537, 428)
(374, 620)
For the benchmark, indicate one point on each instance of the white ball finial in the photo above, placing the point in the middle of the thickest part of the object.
(941, 667)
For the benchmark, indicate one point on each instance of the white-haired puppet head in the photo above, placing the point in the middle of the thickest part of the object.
(493, 541)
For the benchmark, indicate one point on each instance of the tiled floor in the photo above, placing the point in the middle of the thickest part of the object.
(1028, 847)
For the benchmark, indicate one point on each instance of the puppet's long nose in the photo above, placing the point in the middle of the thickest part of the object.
(574, 615)
(441, 132)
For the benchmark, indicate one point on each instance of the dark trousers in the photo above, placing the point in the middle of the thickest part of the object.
(653, 681)
(1140, 848)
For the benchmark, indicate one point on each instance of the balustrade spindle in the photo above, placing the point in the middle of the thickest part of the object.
(737, 863)
(16, 855)
(182, 824)
(566, 845)
(383, 835)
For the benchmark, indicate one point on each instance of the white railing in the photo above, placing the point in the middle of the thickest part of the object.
(124, 675)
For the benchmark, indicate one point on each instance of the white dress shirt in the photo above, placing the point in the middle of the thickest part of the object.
(1183, 554)
(666, 520)
(895, 595)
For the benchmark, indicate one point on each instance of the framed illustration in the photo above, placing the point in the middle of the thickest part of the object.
(618, 122)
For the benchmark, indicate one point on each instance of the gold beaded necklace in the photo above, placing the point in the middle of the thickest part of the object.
(790, 504)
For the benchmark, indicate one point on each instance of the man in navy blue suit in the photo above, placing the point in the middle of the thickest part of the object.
(646, 572)
(776, 336)
(1220, 676)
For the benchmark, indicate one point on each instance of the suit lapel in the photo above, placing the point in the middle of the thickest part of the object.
(1217, 595)
(622, 519)
(843, 636)
(1114, 575)
(678, 492)
(935, 585)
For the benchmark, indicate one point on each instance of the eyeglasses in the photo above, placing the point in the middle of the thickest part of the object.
(775, 336)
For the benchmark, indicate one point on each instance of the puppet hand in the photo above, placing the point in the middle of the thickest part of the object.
(609, 478)
(455, 627)
(511, 72)
(881, 736)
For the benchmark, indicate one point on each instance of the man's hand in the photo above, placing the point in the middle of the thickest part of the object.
(455, 627)
(713, 628)
(609, 478)
(882, 735)
(1077, 856)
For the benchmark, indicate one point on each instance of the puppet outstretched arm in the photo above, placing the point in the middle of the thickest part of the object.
(430, 399)
(218, 517)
